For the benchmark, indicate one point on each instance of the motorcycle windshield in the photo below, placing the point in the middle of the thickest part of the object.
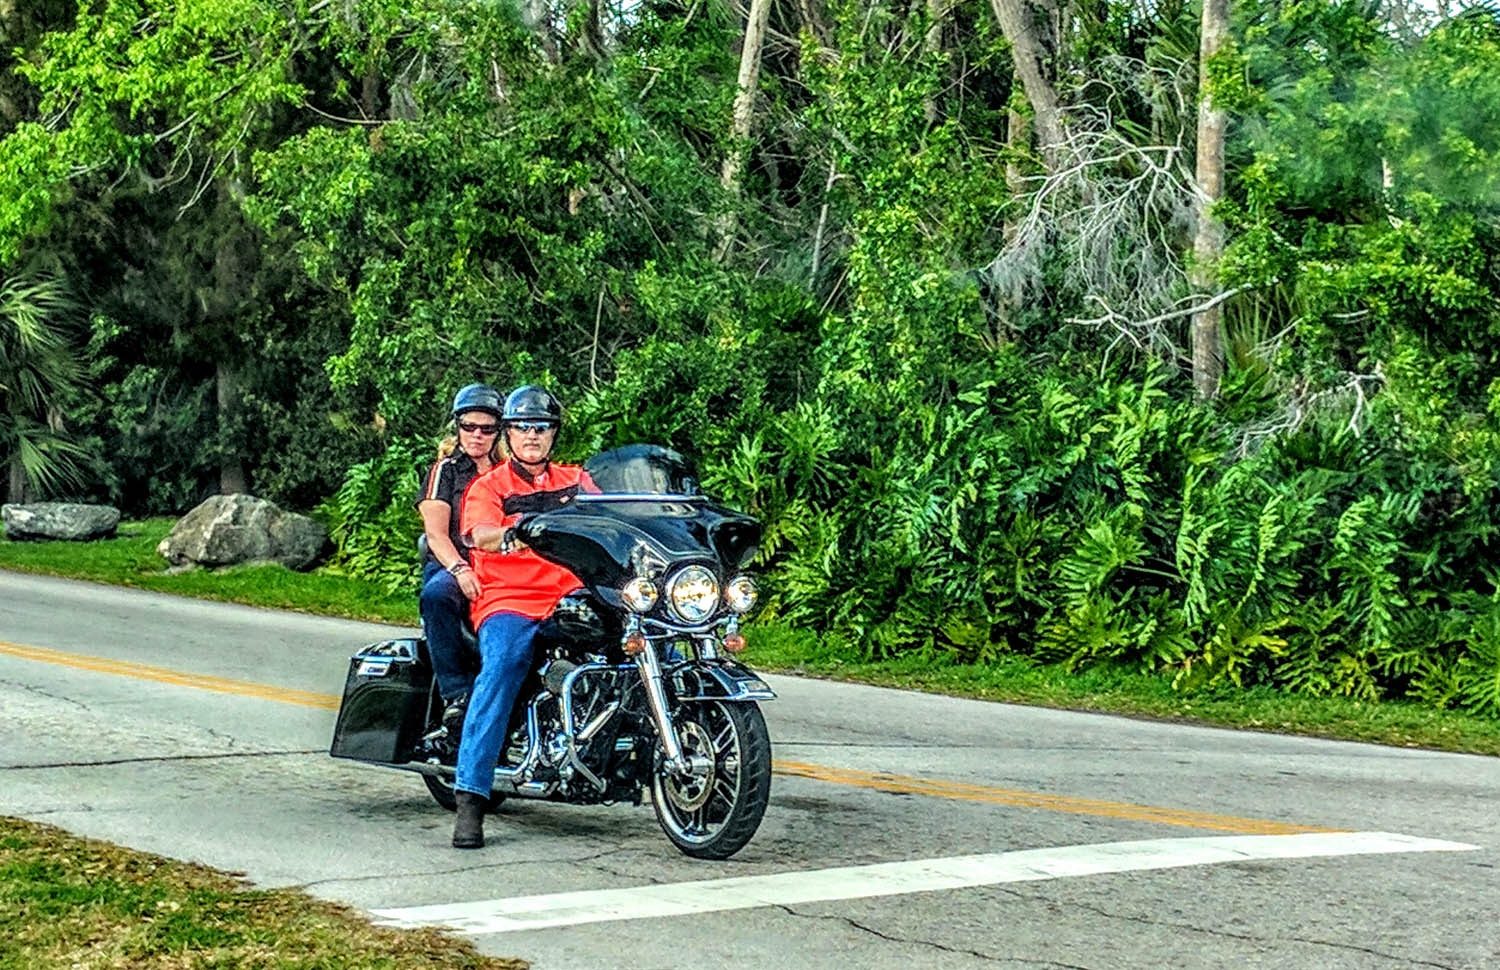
(648, 517)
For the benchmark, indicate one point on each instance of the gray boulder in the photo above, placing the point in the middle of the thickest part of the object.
(72, 521)
(228, 530)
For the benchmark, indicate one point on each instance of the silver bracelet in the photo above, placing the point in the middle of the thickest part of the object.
(457, 568)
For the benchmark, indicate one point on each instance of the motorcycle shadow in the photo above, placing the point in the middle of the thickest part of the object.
(545, 820)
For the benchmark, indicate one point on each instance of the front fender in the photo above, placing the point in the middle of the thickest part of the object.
(720, 679)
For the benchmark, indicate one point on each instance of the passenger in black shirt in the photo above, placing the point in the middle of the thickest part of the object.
(448, 583)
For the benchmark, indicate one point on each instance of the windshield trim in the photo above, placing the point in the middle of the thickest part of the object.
(586, 497)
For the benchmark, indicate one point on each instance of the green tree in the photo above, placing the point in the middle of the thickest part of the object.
(155, 107)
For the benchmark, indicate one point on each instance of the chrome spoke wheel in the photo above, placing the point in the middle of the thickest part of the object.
(714, 807)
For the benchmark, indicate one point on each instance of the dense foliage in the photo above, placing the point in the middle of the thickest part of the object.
(945, 368)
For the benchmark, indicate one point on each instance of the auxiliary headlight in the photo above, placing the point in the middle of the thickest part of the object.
(640, 595)
(693, 594)
(740, 594)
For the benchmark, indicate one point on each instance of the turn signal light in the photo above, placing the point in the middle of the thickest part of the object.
(634, 644)
(735, 642)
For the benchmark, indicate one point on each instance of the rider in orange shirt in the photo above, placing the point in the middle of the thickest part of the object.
(518, 588)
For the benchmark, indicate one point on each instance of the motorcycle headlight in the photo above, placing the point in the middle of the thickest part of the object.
(740, 594)
(693, 594)
(640, 595)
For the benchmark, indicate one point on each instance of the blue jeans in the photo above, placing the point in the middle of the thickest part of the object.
(505, 646)
(445, 610)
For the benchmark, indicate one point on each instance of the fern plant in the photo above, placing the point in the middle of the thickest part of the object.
(371, 519)
(1477, 673)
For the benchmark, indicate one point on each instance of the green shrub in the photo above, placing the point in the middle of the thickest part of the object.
(372, 521)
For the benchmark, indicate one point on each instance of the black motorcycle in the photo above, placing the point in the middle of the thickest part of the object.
(634, 684)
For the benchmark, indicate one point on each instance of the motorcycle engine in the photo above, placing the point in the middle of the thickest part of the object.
(590, 697)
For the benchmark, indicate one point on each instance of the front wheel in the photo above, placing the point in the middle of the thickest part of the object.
(712, 815)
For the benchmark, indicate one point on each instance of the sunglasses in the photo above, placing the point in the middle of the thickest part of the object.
(472, 428)
(532, 427)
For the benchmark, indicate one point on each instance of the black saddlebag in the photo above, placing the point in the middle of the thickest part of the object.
(385, 703)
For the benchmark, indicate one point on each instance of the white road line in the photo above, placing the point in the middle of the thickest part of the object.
(893, 878)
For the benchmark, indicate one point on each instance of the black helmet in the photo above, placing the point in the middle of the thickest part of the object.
(477, 397)
(532, 403)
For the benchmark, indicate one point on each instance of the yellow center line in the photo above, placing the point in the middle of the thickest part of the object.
(877, 781)
(902, 784)
(178, 678)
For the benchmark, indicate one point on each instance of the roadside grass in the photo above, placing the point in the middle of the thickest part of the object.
(1128, 693)
(68, 903)
(131, 560)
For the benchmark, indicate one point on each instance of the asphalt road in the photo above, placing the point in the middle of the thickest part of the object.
(904, 829)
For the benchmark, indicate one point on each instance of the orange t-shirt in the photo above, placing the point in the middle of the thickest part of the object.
(522, 581)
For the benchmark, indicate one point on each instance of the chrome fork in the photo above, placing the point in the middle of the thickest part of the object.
(649, 666)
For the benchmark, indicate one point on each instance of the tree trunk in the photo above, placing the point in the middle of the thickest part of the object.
(232, 478)
(10, 37)
(812, 19)
(16, 492)
(1017, 137)
(932, 43)
(1208, 243)
(1018, 23)
(537, 15)
(817, 255)
(369, 94)
(1017, 140)
(744, 114)
(591, 37)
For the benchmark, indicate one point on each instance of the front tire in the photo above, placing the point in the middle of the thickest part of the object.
(713, 816)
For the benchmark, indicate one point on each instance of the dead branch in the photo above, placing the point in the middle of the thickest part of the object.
(340, 118)
(1112, 214)
(1195, 306)
(594, 347)
(833, 171)
(1304, 403)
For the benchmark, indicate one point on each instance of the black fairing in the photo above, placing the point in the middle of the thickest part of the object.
(649, 519)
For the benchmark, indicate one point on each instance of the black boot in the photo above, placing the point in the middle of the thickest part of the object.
(453, 715)
(468, 821)
(442, 741)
